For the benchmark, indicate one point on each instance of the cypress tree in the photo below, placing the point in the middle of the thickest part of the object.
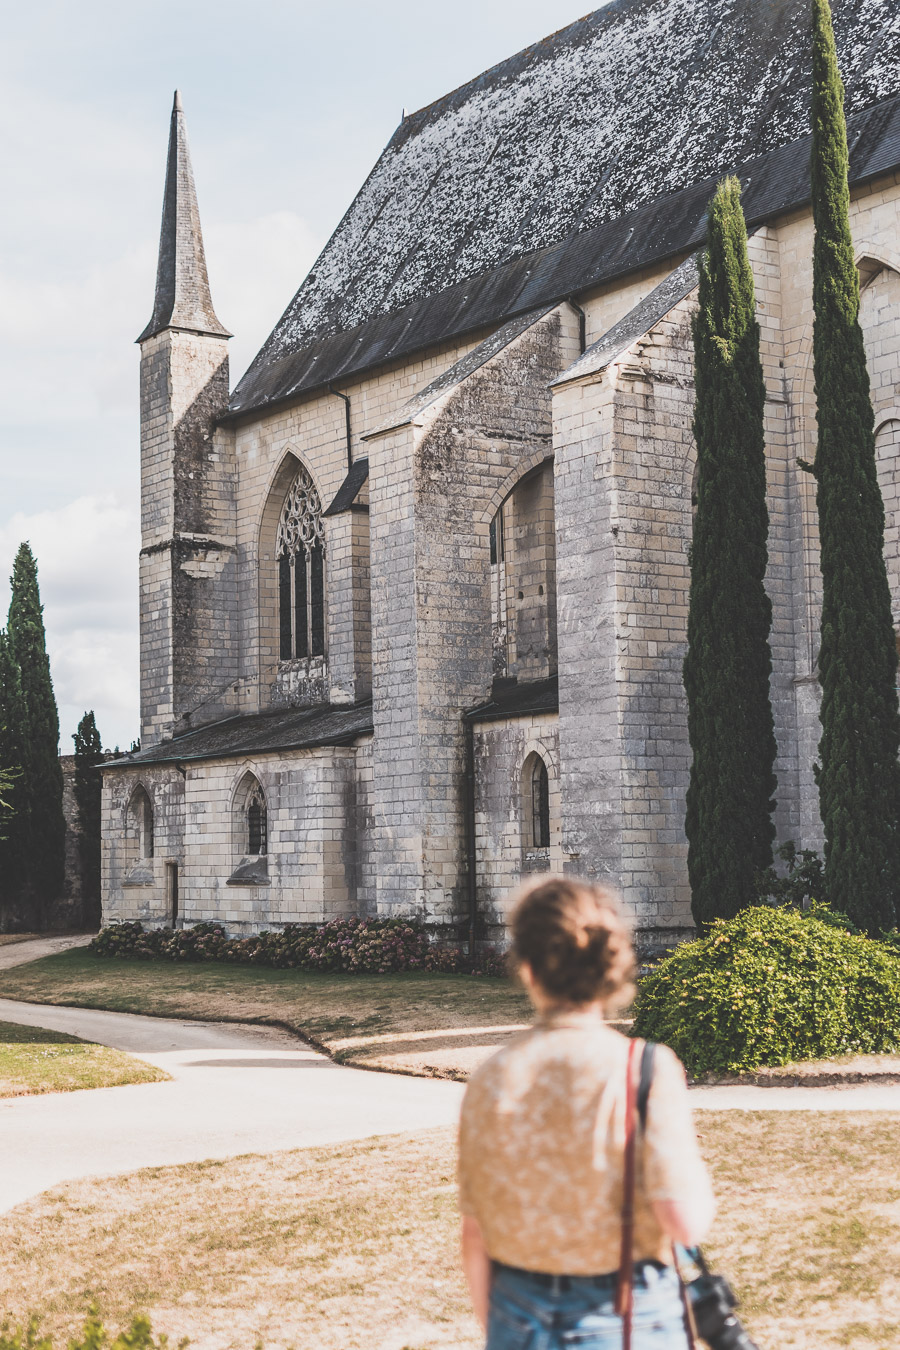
(728, 663)
(87, 789)
(42, 773)
(14, 818)
(858, 775)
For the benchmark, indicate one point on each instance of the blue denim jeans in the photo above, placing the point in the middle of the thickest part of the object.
(576, 1312)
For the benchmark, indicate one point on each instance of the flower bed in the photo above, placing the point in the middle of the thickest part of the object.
(347, 946)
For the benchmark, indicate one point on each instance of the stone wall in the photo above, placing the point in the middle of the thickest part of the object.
(316, 865)
(505, 852)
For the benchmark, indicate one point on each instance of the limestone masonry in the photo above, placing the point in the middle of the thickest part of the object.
(414, 595)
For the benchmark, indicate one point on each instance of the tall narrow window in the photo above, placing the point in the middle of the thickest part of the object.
(140, 825)
(540, 804)
(499, 627)
(257, 823)
(301, 572)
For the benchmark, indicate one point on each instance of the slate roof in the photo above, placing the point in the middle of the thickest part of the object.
(182, 297)
(577, 160)
(350, 489)
(518, 700)
(262, 733)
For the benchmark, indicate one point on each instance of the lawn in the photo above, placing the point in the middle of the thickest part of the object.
(33, 1060)
(439, 1025)
(353, 1247)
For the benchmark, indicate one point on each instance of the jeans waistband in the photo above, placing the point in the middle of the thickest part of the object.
(563, 1284)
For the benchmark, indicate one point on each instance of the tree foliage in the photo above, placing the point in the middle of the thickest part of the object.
(772, 986)
(858, 774)
(88, 791)
(728, 663)
(14, 814)
(42, 780)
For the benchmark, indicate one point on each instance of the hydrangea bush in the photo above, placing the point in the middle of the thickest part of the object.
(345, 946)
(770, 987)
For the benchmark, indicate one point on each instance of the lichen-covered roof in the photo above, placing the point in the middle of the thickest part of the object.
(631, 104)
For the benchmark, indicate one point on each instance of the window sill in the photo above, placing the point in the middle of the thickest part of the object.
(536, 860)
(250, 872)
(140, 875)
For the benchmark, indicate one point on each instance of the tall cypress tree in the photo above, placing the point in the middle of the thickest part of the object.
(858, 774)
(726, 671)
(14, 820)
(87, 789)
(42, 773)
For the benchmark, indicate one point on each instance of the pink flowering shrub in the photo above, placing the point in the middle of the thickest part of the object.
(343, 946)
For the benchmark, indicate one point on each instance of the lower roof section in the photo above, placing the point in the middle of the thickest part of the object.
(511, 699)
(261, 733)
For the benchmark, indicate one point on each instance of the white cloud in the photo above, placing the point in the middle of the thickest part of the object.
(87, 556)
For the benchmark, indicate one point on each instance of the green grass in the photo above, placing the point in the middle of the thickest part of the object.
(353, 1247)
(421, 1023)
(33, 1060)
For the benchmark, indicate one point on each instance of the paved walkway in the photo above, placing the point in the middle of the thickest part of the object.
(236, 1089)
(246, 1089)
(32, 949)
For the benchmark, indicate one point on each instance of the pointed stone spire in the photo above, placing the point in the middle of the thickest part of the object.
(182, 286)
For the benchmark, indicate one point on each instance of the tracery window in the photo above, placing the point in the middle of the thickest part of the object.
(300, 550)
(257, 823)
(540, 804)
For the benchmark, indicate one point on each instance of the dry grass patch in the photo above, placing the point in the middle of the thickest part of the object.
(437, 1025)
(354, 1247)
(34, 1060)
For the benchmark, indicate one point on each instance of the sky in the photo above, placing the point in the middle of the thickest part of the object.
(288, 105)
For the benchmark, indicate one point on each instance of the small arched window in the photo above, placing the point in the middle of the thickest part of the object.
(257, 823)
(540, 804)
(300, 551)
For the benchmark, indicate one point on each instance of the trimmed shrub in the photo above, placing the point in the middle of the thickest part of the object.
(343, 946)
(769, 987)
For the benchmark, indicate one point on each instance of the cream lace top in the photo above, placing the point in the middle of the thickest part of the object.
(541, 1149)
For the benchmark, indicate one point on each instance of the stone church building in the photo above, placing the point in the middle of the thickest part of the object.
(413, 592)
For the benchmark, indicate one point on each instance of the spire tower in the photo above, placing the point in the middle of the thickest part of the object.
(182, 285)
(188, 644)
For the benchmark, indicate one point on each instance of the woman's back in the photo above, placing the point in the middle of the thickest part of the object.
(541, 1149)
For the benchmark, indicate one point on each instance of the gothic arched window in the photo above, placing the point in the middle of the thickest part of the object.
(301, 572)
(257, 823)
(540, 804)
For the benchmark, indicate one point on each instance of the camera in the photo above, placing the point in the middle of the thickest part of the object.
(713, 1304)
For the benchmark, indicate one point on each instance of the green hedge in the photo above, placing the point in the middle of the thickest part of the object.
(769, 987)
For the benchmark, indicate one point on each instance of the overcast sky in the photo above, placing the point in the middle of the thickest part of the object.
(288, 105)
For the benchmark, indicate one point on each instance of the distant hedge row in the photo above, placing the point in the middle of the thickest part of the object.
(350, 946)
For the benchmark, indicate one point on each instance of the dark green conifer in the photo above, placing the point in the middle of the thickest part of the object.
(726, 671)
(42, 773)
(87, 789)
(14, 811)
(858, 775)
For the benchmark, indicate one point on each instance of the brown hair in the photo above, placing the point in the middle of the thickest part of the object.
(571, 935)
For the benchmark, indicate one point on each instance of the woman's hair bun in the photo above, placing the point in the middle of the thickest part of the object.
(573, 939)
